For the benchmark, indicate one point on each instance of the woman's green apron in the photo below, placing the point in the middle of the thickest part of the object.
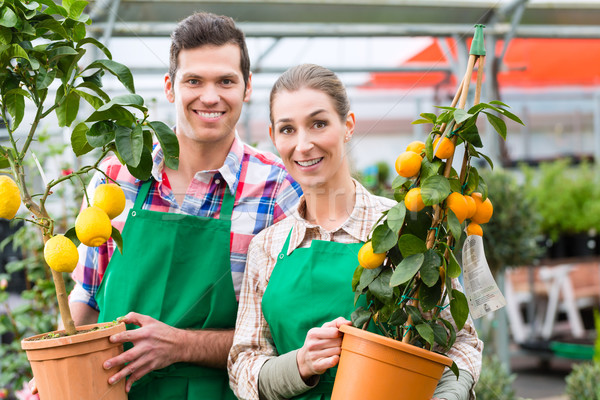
(175, 268)
(307, 288)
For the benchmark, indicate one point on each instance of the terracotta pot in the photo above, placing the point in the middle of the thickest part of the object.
(70, 367)
(374, 367)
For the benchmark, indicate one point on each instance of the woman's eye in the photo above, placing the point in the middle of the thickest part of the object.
(320, 124)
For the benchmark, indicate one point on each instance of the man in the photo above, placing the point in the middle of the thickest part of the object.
(187, 232)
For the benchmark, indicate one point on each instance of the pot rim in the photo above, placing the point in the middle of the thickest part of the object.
(396, 344)
(29, 343)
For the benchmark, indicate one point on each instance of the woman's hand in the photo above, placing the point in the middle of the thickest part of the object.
(321, 349)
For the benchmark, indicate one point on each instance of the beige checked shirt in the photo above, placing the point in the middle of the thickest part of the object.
(253, 344)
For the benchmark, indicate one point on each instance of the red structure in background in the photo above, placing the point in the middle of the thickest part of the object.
(528, 63)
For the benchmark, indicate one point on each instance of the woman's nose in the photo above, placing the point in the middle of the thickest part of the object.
(304, 141)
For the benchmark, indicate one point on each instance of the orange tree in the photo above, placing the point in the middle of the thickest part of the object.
(413, 242)
(42, 45)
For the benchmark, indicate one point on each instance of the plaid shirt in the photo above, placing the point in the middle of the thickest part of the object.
(264, 194)
(253, 344)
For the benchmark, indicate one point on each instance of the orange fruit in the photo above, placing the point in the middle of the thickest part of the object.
(446, 149)
(457, 203)
(413, 200)
(474, 229)
(369, 259)
(417, 146)
(484, 209)
(408, 164)
(472, 207)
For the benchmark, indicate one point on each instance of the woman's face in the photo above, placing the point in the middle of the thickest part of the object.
(309, 136)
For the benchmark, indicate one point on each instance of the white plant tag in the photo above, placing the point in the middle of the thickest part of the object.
(483, 295)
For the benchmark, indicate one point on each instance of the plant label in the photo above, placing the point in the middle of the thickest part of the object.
(483, 295)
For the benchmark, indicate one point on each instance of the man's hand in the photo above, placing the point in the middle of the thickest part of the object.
(155, 345)
(321, 350)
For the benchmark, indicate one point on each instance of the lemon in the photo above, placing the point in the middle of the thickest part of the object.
(408, 164)
(61, 254)
(484, 209)
(457, 203)
(445, 149)
(474, 229)
(10, 198)
(110, 198)
(93, 227)
(367, 258)
(413, 200)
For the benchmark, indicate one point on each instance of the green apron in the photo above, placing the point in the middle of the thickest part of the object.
(175, 268)
(321, 274)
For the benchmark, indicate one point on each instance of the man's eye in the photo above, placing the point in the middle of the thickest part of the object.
(286, 130)
(227, 81)
(193, 81)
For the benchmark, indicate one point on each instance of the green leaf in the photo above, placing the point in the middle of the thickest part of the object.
(472, 180)
(420, 121)
(122, 73)
(67, 111)
(395, 217)
(398, 317)
(144, 169)
(453, 269)
(367, 276)
(59, 52)
(430, 296)
(399, 181)
(116, 236)
(380, 287)
(430, 117)
(32, 5)
(96, 43)
(168, 143)
(454, 225)
(127, 100)
(482, 188)
(116, 113)
(53, 8)
(76, 9)
(44, 78)
(130, 143)
(92, 100)
(92, 85)
(499, 103)
(429, 147)
(360, 316)
(440, 335)
(79, 31)
(14, 51)
(356, 277)
(451, 332)
(383, 238)
(425, 332)
(5, 35)
(459, 308)
(415, 314)
(53, 26)
(435, 189)
(489, 160)
(430, 270)
(79, 142)
(101, 133)
(4, 163)
(407, 269)
(471, 135)
(497, 123)
(461, 116)
(429, 168)
(14, 101)
(8, 18)
(411, 244)
(72, 236)
(454, 368)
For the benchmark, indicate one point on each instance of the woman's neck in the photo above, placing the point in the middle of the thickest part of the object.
(330, 206)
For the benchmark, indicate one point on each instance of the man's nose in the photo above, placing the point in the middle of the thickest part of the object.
(209, 95)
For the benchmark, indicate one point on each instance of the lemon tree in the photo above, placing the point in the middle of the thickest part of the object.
(435, 207)
(42, 46)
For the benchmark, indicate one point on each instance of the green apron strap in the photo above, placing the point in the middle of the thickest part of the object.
(142, 194)
(227, 204)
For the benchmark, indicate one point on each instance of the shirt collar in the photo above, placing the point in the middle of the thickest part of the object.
(357, 225)
(230, 171)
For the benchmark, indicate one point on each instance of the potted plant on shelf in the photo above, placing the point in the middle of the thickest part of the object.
(44, 78)
(407, 267)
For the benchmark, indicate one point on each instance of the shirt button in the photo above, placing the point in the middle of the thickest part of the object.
(326, 236)
(217, 181)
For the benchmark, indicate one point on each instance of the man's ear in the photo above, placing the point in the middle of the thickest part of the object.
(169, 90)
(248, 91)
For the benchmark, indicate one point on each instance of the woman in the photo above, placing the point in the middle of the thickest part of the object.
(297, 284)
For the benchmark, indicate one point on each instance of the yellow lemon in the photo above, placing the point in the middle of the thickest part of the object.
(110, 198)
(445, 150)
(369, 259)
(413, 200)
(93, 227)
(474, 229)
(10, 198)
(417, 146)
(408, 164)
(472, 207)
(457, 203)
(61, 254)
(484, 209)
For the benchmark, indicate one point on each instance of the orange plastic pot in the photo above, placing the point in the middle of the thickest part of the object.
(374, 367)
(70, 367)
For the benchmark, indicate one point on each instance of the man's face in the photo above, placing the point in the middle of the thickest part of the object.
(208, 93)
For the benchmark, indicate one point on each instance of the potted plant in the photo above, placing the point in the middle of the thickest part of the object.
(406, 268)
(42, 48)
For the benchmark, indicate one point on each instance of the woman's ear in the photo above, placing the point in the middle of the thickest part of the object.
(271, 134)
(350, 125)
